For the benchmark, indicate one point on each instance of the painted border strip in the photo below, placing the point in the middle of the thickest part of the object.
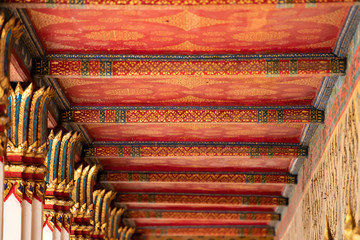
(113, 3)
(191, 116)
(269, 216)
(256, 67)
(249, 178)
(204, 199)
(195, 57)
(253, 151)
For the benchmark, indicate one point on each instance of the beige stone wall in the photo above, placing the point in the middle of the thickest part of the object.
(330, 176)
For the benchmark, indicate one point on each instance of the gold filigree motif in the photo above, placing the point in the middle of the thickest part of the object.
(67, 220)
(186, 20)
(260, 36)
(59, 219)
(40, 190)
(29, 189)
(84, 177)
(42, 20)
(89, 184)
(19, 190)
(74, 209)
(114, 35)
(49, 217)
(8, 185)
(89, 211)
(98, 195)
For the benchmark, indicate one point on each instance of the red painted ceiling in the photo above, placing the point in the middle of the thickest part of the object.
(182, 29)
(202, 164)
(191, 90)
(202, 188)
(282, 133)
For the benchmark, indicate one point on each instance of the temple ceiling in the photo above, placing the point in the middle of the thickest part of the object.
(199, 113)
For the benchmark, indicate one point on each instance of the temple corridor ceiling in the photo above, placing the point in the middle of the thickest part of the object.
(199, 113)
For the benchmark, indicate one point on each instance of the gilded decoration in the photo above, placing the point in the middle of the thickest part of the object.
(194, 116)
(258, 67)
(29, 190)
(49, 218)
(351, 230)
(82, 195)
(15, 187)
(181, 150)
(27, 134)
(60, 178)
(10, 31)
(105, 219)
(114, 3)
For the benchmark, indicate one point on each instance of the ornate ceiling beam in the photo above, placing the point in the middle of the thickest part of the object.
(201, 149)
(193, 177)
(101, 4)
(245, 66)
(245, 200)
(192, 115)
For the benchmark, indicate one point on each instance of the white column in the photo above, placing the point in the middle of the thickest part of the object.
(37, 212)
(13, 210)
(27, 210)
(65, 235)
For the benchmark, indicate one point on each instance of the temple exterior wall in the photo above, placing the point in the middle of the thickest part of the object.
(329, 178)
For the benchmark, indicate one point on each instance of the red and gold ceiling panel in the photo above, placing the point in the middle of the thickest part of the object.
(154, 177)
(181, 29)
(145, 222)
(191, 90)
(198, 207)
(202, 164)
(237, 200)
(191, 215)
(199, 188)
(235, 231)
(286, 133)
